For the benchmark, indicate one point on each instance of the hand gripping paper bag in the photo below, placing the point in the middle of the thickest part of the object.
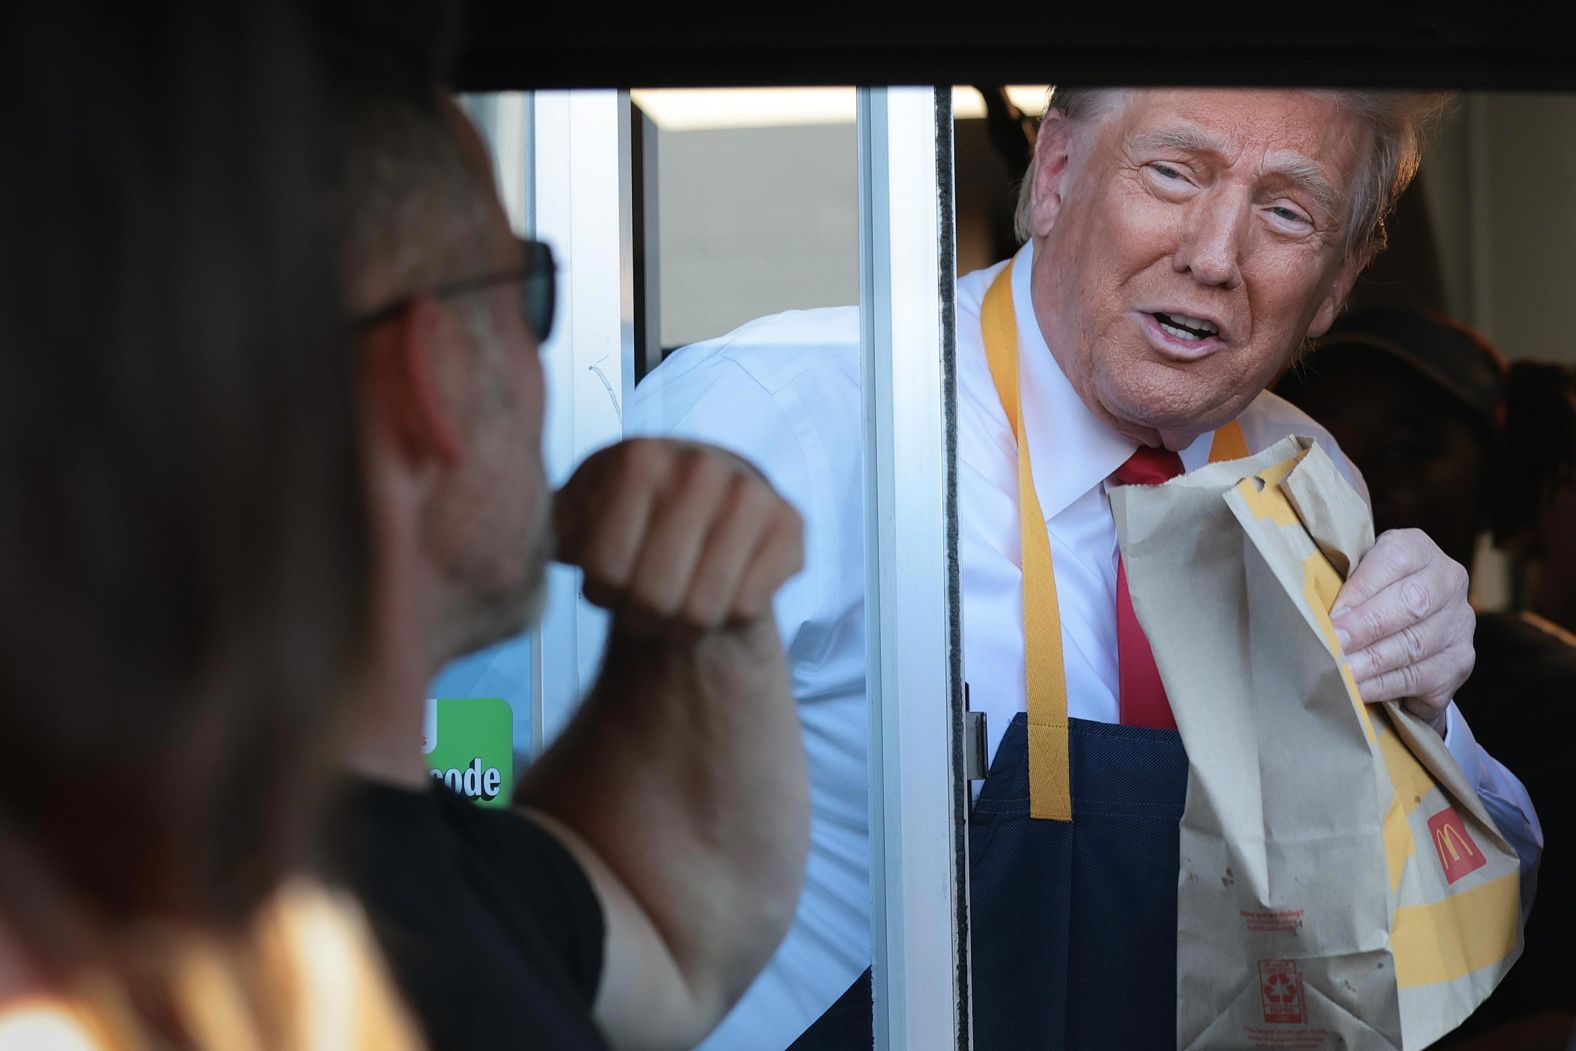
(1341, 884)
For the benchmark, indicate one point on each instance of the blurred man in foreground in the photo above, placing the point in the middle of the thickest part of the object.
(183, 541)
(657, 849)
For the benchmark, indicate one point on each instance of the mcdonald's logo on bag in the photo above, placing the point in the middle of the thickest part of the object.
(1458, 854)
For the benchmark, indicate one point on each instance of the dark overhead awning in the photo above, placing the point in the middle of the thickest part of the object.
(1382, 44)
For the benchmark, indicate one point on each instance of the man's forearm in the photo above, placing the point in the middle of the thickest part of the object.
(685, 772)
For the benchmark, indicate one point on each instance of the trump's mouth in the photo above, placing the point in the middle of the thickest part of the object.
(1182, 337)
(1184, 327)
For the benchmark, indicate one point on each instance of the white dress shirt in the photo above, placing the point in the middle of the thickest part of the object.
(783, 392)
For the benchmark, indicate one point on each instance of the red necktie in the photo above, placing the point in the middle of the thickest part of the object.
(1142, 697)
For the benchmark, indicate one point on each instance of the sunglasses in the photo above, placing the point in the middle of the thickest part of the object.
(537, 277)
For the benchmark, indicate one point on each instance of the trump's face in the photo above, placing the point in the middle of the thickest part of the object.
(1186, 242)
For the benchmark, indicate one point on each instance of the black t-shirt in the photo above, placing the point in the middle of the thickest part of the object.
(491, 928)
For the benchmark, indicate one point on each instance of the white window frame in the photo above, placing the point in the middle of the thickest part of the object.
(919, 881)
(581, 159)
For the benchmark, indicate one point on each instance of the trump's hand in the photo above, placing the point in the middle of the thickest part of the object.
(676, 535)
(1405, 624)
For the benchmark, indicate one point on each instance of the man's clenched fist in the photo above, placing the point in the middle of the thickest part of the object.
(676, 535)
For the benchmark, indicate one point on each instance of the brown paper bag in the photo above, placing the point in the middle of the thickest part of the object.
(1341, 884)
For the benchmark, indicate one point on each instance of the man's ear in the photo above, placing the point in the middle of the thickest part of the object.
(1332, 303)
(413, 370)
(1052, 148)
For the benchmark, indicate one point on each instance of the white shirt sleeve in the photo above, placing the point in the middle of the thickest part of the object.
(1504, 797)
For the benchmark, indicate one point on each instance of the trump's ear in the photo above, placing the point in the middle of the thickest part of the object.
(1340, 289)
(1052, 148)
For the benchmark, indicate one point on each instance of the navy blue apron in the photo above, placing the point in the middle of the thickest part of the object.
(1073, 925)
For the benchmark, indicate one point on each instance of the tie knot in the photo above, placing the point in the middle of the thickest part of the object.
(1149, 466)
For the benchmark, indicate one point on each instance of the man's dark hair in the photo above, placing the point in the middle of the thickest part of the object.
(183, 530)
(410, 209)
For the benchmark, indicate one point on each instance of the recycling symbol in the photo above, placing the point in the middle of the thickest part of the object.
(1280, 989)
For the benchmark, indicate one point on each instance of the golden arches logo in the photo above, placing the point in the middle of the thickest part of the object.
(1458, 854)
(1447, 838)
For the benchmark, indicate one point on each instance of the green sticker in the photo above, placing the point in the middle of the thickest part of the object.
(469, 743)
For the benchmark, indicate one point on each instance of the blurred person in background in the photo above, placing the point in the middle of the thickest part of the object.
(183, 540)
(1453, 441)
(1546, 559)
(655, 851)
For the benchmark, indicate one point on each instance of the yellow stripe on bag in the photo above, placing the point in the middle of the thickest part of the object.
(1399, 843)
(1409, 781)
(1412, 782)
(1267, 503)
(1452, 938)
(1320, 584)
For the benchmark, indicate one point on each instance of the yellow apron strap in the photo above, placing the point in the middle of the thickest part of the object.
(1050, 792)
(1229, 444)
(1050, 795)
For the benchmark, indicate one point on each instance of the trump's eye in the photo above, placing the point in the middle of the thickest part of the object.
(1173, 181)
(1290, 218)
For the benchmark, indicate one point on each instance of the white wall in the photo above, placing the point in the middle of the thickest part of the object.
(754, 221)
(1501, 182)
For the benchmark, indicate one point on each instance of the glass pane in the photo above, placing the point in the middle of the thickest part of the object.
(755, 262)
(743, 214)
